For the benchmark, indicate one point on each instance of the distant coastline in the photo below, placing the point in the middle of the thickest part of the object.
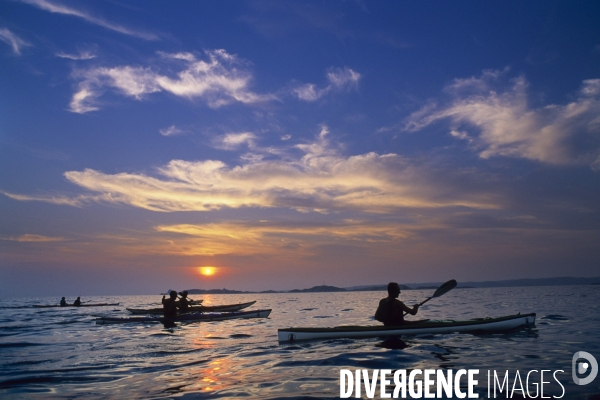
(561, 281)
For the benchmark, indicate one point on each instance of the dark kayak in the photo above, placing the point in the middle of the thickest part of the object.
(223, 308)
(418, 328)
(71, 305)
(190, 317)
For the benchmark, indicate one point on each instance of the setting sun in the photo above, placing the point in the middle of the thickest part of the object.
(207, 271)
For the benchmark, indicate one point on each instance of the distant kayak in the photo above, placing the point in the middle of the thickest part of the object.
(418, 328)
(188, 317)
(223, 308)
(71, 305)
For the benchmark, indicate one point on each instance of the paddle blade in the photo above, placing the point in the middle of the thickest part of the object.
(445, 288)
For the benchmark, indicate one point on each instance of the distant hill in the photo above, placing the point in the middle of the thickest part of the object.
(373, 288)
(562, 281)
(322, 288)
(216, 291)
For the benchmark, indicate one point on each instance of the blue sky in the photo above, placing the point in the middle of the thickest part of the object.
(292, 144)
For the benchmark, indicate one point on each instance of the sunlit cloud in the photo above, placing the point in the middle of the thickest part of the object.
(58, 8)
(283, 239)
(338, 78)
(13, 40)
(264, 238)
(310, 177)
(501, 123)
(32, 238)
(219, 81)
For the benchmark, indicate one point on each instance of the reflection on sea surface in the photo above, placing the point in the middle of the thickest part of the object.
(62, 353)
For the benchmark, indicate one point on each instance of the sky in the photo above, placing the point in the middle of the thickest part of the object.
(255, 145)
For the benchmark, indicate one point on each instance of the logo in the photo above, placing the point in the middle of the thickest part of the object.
(581, 367)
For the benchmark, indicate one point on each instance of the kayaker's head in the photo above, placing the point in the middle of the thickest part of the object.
(393, 289)
(173, 294)
(183, 294)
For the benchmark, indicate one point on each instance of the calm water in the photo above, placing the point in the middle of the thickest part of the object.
(62, 353)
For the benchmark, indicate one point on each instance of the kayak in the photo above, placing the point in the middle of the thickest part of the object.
(71, 305)
(418, 328)
(223, 308)
(192, 317)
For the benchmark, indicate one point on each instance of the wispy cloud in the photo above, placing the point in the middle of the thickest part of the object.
(338, 78)
(13, 40)
(231, 141)
(58, 8)
(501, 122)
(219, 81)
(77, 201)
(82, 55)
(171, 131)
(313, 176)
(278, 19)
(32, 238)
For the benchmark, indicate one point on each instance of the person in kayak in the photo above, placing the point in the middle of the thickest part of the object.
(170, 309)
(170, 305)
(63, 302)
(77, 302)
(391, 310)
(184, 302)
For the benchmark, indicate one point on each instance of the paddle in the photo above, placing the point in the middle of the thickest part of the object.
(192, 301)
(445, 288)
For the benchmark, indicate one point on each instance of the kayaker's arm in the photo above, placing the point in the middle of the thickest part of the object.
(411, 311)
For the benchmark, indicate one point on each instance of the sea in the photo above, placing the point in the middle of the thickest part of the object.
(61, 353)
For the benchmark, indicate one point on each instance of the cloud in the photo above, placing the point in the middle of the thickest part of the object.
(83, 55)
(308, 92)
(55, 7)
(501, 122)
(32, 238)
(218, 81)
(339, 79)
(61, 200)
(171, 131)
(308, 177)
(13, 40)
(231, 141)
(271, 238)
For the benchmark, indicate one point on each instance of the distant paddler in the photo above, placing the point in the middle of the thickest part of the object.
(184, 302)
(191, 302)
(63, 302)
(77, 302)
